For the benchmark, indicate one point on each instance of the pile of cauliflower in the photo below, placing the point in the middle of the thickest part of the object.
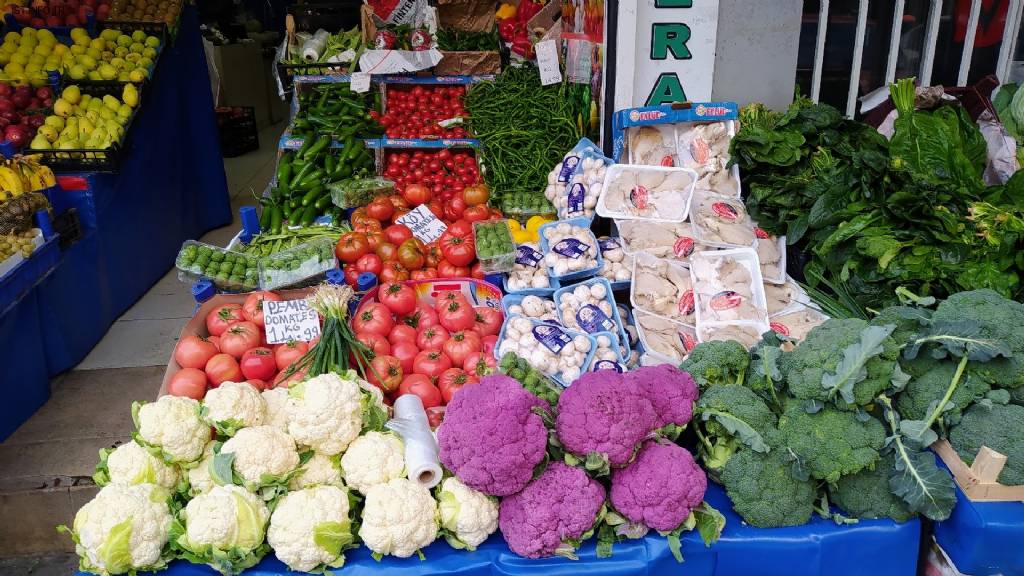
(225, 481)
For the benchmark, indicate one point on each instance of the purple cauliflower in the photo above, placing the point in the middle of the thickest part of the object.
(491, 438)
(671, 391)
(660, 488)
(553, 514)
(603, 416)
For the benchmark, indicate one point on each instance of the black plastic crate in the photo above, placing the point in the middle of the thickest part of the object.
(69, 227)
(332, 16)
(239, 133)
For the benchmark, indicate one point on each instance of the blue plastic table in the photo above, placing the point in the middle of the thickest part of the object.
(171, 187)
(984, 538)
(819, 548)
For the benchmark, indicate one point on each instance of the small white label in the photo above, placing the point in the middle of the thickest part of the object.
(547, 62)
(290, 320)
(360, 82)
(423, 223)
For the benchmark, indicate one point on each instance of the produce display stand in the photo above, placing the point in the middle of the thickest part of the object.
(171, 186)
(819, 548)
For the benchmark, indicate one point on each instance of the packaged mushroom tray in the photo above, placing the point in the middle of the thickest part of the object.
(699, 146)
(672, 240)
(649, 192)
(771, 253)
(728, 291)
(797, 321)
(618, 266)
(663, 340)
(575, 183)
(782, 298)
(556, 351)
(721, 221)
(608, 354)
(529, 275)
(570, 249)
(590, 307)
(663, 288)
(540, 308)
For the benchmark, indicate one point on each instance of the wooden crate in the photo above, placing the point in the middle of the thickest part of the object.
(978, 481)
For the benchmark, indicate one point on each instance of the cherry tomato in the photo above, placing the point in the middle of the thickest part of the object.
(374, 317)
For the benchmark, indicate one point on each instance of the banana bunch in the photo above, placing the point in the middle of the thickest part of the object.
(24, 174)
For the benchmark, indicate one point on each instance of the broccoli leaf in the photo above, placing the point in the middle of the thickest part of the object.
(915, 477)
(959, 339)
(851, 369)
(738, 428)
(921, 430)
(899, 379)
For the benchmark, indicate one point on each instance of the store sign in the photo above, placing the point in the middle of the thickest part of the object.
(670, 47)
(423, 223)
(290, 320)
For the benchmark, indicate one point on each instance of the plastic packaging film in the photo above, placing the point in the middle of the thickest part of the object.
(314, 47)
(410, 422)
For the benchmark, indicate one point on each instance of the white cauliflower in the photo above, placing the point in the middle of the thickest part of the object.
(277, 403)
(262, 455)
(310, 528)
(325, 413)
(234, 405)
(375, 458)
(468, 517)
(130, 463)
(199, 479)
(399, 518)
(225, 527)
(123, 529)
(319, 470)
(174, 425)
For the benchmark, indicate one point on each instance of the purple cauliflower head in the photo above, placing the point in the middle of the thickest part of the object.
(671, 391)
(604, 414)
(660, 488)
(552, 514)
(490, 437)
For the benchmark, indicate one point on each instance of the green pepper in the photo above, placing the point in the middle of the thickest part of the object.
(323, 202)
(312, 195)
(321, 143)
(309, 215)
(265, 218)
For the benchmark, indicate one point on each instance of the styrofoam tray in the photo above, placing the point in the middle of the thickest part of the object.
(742, 218)
(678, 215)
(687, 334)
(700, 269)
(705, 332)
(800, 298)
(780, 242)
(778, 322)
(682, 247)
(643, 258)
(684, 138)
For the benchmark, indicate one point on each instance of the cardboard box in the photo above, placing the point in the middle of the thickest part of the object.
(469, 15)
(468, 63)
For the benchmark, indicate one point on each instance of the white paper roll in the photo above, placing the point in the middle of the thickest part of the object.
(315, 46)
(410, 422)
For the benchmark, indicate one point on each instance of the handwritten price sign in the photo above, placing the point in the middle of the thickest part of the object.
(290, 320)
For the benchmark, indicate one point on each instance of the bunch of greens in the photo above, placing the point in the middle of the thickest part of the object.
(874, 216)
(453, 39)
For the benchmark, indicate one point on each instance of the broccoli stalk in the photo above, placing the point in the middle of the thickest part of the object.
(917, 429)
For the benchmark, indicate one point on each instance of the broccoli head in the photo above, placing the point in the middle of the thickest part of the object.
(830, 444)
(867, 494)
(998, 426)
(842, 360)
(717, 362)
(660, 488)
(915, 401)
(733, 416)
(764, 492)
(908, 320)
(998, 319)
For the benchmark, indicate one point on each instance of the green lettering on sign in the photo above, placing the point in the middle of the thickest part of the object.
(673, 3)
(666, 90)
(670, 37)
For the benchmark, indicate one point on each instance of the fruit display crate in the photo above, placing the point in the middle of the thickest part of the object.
(11, 24)
(157, 29)
(15, 283)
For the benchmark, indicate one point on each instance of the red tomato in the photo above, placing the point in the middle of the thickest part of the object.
(222, 368)
(432, 252)
(487, 344)
(194, 352)
(258, 384)
(377, 343)
(461, 228)
(458, 248)
(386, 251)
(385, 373)
(428, 393)
(284, 379)
(375, 318)
(475, 195)
(289, 352)
(422, 317)
(445, 297)
(375, 239)
(479, 364)
(393, 272)
(454, 208)
(450, 382)
(431, 363)
(241, 336)
(218, 320)
(488, 320)
(397, 233)
(460, 345)
(410, 254)
(398, 203)
(431, 338)
(369, 263)
(416, 194)
(351, 275)
(456, 315)
(399, 298)
(253, 307)
(437, 208)
(435, 416)
(476, 213)
(188, 382)
(380, 208)
(409, 380)
(425, 274)
(448, 270)
(215, 340)
(258, 363)
(477, 272)
(402, 333)
(351, 246)
(406, 352)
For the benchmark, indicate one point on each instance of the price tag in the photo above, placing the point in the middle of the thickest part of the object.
(290, 320)
(547, 62)
(360, 82)
(423, 223)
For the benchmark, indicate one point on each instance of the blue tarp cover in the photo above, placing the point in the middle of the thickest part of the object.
(984, 538)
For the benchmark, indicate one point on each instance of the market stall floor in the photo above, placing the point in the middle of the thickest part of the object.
(46, 463)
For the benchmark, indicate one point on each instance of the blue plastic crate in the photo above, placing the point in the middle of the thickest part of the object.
(24, 276)
(616, 343)
(572, 333)
(553, 284)
(610, 298)
(544, 248)
(509, 300)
